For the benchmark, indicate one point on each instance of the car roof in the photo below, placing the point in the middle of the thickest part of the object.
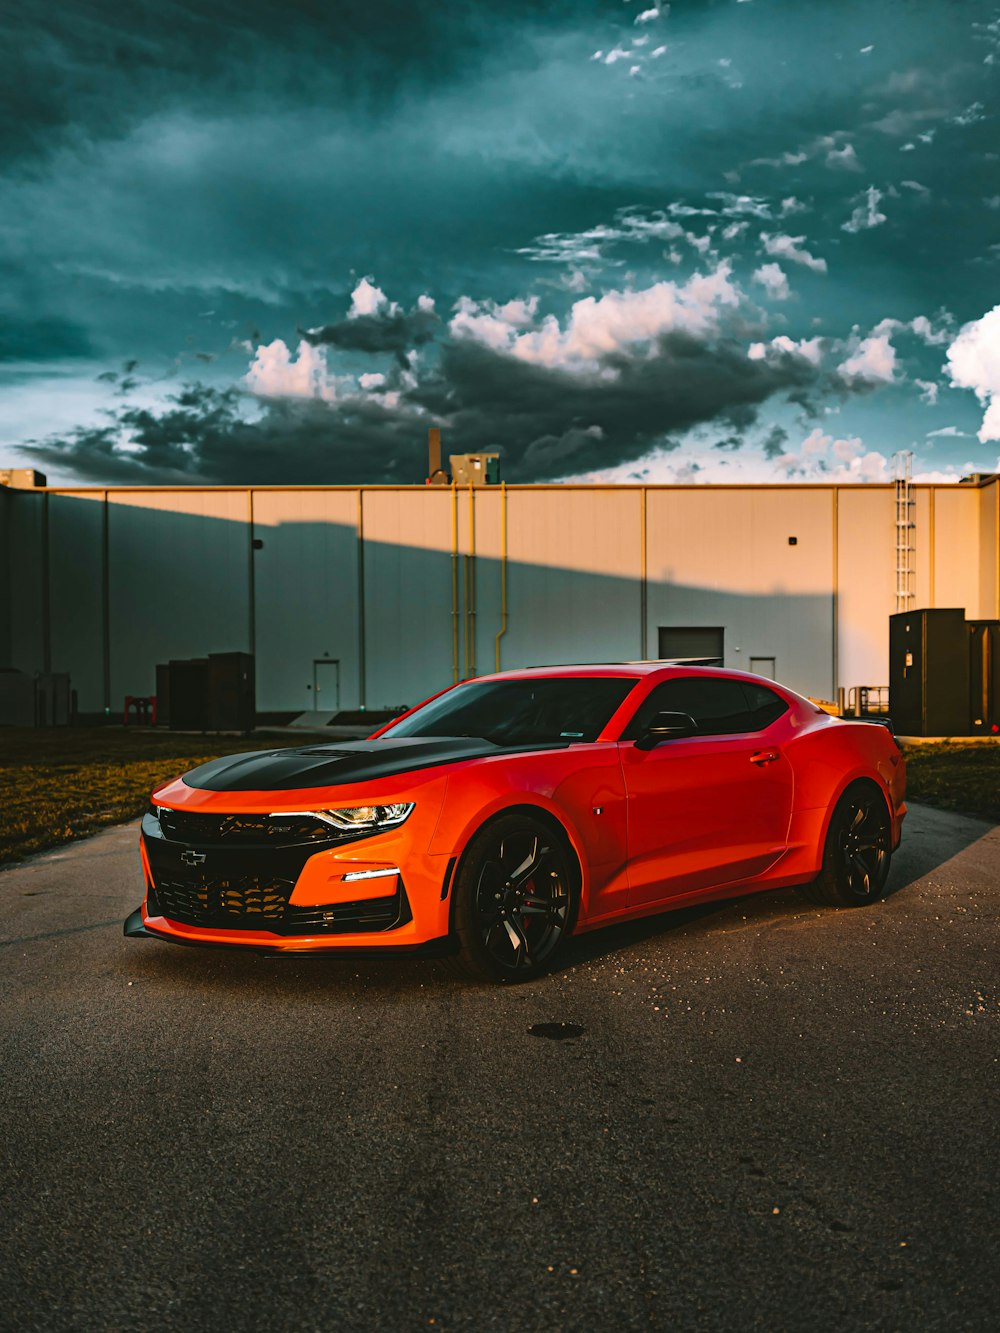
(633, 670)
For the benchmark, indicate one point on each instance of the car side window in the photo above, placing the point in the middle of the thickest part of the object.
(718, 706)
(764, 705)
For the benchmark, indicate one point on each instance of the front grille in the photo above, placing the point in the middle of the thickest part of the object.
(246, 902)
(251, 903)
(244, 829)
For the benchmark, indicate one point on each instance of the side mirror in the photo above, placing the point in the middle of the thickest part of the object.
(666, 727)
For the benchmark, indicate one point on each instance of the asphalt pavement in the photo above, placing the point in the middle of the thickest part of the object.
(758, 1115)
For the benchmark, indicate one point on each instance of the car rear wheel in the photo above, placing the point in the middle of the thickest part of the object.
(515, 899)
(858, 850)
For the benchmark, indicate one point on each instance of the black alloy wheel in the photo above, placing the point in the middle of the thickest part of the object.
(858, 850)
(515, 899)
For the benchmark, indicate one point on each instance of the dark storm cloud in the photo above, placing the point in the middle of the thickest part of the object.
(20, 339)
(395, 331)
(87, 70)
(203, 436)
(550, 422)
(545, 422)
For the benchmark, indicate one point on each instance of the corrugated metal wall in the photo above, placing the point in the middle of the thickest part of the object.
(402, 587)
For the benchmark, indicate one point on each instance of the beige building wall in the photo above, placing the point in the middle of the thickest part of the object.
(385, 594)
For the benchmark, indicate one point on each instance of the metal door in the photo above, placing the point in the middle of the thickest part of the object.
(326, 684)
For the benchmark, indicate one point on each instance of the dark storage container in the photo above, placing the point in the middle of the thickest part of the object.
(162, 694)
(929, 672)
(189, 695)
(231, 692)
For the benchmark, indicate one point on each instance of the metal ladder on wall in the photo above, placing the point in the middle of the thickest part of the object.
(902, 465)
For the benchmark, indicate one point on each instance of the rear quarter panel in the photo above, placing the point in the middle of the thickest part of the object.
(827, 755)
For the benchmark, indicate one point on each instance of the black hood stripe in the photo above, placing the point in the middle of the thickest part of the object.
(345, 764)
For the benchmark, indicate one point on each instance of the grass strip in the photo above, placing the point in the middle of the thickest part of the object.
(953, 776)
(66, 783)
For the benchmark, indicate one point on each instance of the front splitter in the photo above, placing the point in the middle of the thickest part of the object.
(136, 928)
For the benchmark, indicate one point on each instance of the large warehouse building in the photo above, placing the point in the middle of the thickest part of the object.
(377, 596)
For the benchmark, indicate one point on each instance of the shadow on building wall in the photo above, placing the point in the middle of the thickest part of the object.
(106, 591)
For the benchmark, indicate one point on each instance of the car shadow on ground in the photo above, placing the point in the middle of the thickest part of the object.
(932, 840)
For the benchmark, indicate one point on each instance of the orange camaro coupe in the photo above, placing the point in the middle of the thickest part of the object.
(507, 813)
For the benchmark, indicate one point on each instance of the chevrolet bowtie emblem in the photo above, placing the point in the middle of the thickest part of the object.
(193, 858)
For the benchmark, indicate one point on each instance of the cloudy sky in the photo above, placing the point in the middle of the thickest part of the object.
(732, 240)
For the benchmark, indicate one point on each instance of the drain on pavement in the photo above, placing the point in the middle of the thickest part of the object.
(556, 1031)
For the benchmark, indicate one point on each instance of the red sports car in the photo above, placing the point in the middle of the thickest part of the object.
(508, 812)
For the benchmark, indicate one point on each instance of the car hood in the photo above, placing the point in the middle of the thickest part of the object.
(346, 763)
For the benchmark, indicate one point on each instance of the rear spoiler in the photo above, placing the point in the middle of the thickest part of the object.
(880, 720)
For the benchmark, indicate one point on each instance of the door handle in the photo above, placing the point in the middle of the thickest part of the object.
(762, 757)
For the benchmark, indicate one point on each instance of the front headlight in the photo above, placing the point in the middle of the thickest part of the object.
(367, 818)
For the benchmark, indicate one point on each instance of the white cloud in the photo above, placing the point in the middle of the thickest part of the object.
(367, 299)
(867, 50)
(617, 53)
(843, 159)
(971, 115)
(275, 373)
(974, 363)
(811, 349)
(948, 432)
(790, 248)
(866, 215)
(772, 278)
(647, 16)
(792, 205)
(599, 326)
(371, 380)
(820, 457)
(488, 323)
(916, 187)
(920, 325)
(873, 361)
(924, 329)
(591, 245)
(426, 304)
(928, 391)
(734, 229)
(657, 51)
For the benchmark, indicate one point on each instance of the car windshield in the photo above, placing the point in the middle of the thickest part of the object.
(546, 710)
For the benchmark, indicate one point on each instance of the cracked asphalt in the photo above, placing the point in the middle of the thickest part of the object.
(758, 1115)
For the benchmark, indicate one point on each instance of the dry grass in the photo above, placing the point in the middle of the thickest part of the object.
(65, 783)
(70, 782)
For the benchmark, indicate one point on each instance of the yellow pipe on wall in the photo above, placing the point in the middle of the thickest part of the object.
(454, 580)
(470, 591)
(503, 570)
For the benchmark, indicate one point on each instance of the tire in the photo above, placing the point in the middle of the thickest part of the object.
(857, 852)
(515, 899)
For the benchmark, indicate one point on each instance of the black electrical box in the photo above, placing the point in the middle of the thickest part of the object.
(984, 677)
(162, 694)
(189, 695)
(232, 700)
(929, 672)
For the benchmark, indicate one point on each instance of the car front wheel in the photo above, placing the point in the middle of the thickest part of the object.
(857, 852)
(515, 899)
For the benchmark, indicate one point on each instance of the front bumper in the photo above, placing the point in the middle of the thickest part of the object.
(295, 898)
